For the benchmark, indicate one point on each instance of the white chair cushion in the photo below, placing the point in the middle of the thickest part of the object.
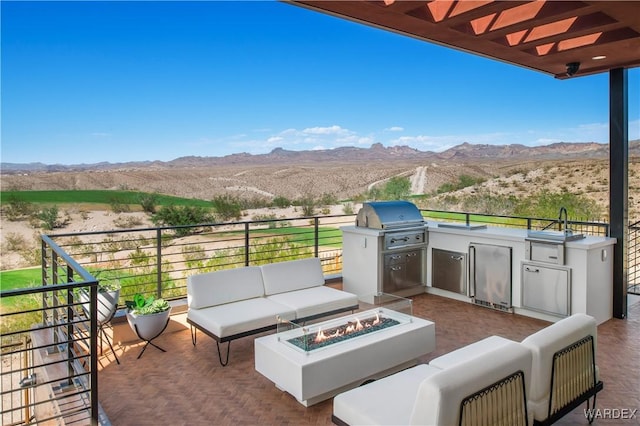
(387, 401)
(468, 352)
(292, 275)
(239, 317)
(315, 300)
(439, 396)
(543, 344)
(224, 286)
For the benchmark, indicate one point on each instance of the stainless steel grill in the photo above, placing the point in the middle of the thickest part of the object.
(402, 245)
(389, 215)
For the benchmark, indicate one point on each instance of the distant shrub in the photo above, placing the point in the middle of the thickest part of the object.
(328, 199)
(396, 188)
(464, 181)
(15, 208)
(182, 215)
(227, 207)
(118, 205)
(148, 202)
(546, 204)
(127, 222)
(281, 202)
(308, 205)
(15, 242)
(347, 208)
(48, 217)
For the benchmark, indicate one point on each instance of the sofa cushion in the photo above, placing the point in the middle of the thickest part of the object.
(224, 286)
(543, 344)
(439, 396)
(388, 401)
(292, 275)
(315, 300)
(467, 352)
(239, 317)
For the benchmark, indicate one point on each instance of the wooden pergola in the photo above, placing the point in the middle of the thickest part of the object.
(564, 39)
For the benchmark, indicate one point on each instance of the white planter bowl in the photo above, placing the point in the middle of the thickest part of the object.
(107, 304)
(148, 327)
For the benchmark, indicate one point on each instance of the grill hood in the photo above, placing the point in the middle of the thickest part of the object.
(389, 215)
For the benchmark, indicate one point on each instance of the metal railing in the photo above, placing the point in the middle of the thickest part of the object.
(633, 282)
(594, 227)
(49, 319)
(49, 340)
(157, 261)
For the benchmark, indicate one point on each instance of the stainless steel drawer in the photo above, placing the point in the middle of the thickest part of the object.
(544, 251)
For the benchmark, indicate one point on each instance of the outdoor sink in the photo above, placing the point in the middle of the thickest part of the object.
(466, 226)
(554, 236)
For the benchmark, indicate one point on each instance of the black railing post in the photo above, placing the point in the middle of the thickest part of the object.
(93, 358)
(159, 263)
(43, 256)
(54, 298)
(246, 244)
(316, 242)
(70, 317)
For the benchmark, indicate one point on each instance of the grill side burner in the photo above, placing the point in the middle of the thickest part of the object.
(386, 250)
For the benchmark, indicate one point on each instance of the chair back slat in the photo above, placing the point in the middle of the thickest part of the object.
(573, 373)
(504, 403)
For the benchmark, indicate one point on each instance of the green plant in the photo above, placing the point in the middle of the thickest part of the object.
(148, 202)
(146, 306)
(49, 217)
(107, 283)
(181, 216)
(118, 205)
(16, 208)
(227, 207)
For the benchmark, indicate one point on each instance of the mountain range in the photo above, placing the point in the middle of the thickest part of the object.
(377, 152)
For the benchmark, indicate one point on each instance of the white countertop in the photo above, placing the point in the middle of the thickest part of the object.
(491, 232)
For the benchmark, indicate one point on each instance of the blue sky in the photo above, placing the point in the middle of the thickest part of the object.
(86, 82)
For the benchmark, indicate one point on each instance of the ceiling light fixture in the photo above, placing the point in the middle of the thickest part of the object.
(599, 57)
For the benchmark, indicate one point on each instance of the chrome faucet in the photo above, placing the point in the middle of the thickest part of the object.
(565, 222)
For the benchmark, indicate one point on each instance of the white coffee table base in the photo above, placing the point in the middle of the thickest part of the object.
(319, 375)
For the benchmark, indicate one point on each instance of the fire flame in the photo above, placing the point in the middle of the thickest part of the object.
(352, 327)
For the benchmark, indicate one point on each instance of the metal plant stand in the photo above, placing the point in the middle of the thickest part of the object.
(104, 336)
(149, 341)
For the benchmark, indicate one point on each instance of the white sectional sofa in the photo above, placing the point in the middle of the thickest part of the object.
(426, 395)
(234, 303)
(561, 375)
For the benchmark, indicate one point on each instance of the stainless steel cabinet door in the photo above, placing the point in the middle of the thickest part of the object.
(490, 275)
(546, 289)
(449, 270)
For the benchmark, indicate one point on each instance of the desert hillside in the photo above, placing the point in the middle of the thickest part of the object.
(346, 174)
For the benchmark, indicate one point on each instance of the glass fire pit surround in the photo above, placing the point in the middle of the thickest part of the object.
(385, 311)
(389, 340)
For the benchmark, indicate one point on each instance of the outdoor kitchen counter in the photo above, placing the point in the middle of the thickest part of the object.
(587, 264)
(513, 234)
(585, 274)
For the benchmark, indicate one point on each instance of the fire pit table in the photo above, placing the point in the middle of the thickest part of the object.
(316, 362)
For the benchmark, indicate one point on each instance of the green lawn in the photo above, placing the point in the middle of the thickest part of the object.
(328, 237)
(95, 197)
(20, 278)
